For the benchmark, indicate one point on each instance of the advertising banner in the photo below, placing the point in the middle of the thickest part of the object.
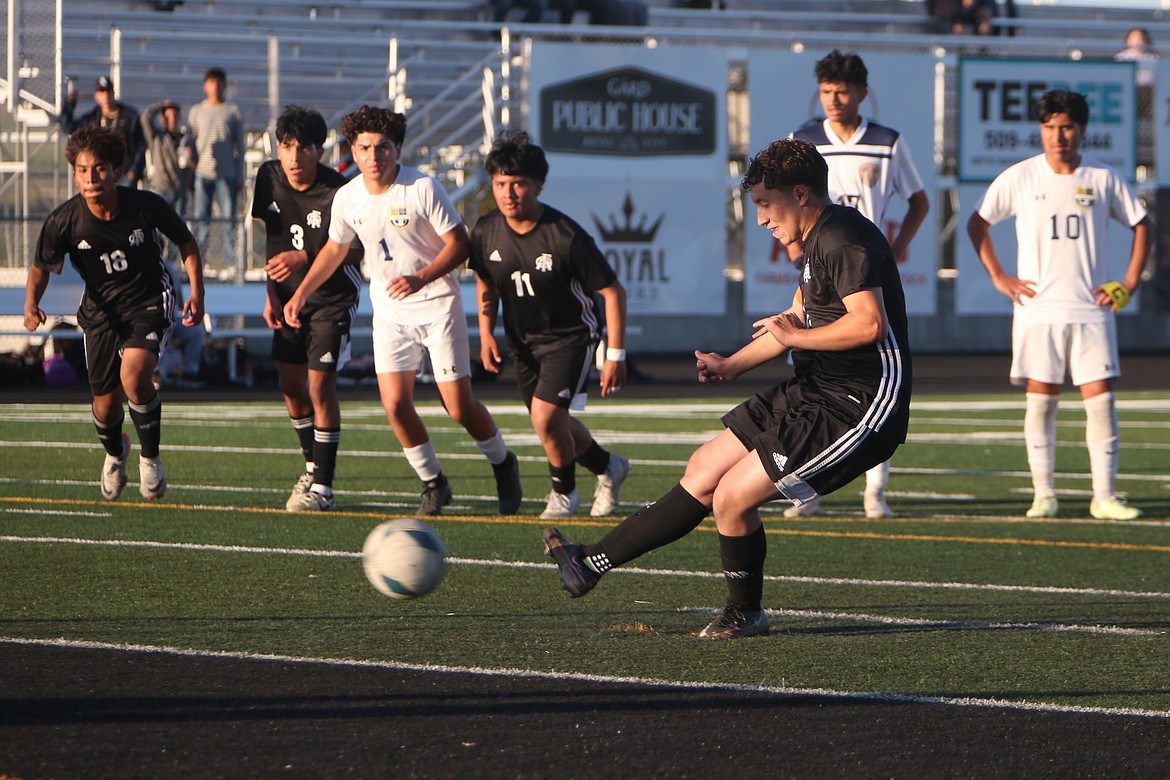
(784, 95)
(636, 141)
(997, 126)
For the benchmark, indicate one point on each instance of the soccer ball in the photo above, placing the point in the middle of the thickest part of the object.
(404, 558)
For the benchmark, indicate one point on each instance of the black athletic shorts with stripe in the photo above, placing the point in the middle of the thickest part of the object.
(814, 439)
(147, 330)
(322, 341)
(556, 372)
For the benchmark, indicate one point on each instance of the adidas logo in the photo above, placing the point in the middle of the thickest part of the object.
(495, 256)
(780, 460)
(565, 393)
(152, 337)
(84, 245)
(328, 358)
(274, 208)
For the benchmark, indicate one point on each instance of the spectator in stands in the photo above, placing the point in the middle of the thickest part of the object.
(168, 154)
(534, 9)
(1138, 49)
(413, 239)
(217, 138)
(964, 16)
(126, 310)
(111, 114)
(610, 12)
(293, 198)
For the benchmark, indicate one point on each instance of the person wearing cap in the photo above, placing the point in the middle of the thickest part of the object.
(217, 135)
(169, 170)
(111, 114)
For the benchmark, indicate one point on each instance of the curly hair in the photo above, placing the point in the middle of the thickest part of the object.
(106, 145)
(1059, 101)
(516, 154)
(838, 68)
(786, 163)
(371, 119)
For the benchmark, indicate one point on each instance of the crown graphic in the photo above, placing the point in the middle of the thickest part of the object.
(628, 233)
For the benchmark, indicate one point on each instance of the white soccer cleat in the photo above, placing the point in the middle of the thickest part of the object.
(1113, 508)
(876, 506)
(151, 482)
(609, 486)
(310, 501)
(807, 509)
(561, 505)
(304, 482)
(1043, 506)
(113, 477)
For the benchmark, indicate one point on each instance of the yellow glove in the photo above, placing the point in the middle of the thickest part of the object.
(1118, 292)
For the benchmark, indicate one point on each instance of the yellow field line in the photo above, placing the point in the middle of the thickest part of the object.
(574, 522)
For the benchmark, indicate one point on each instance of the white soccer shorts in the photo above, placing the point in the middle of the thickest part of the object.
(399, 348)
(1050, 351)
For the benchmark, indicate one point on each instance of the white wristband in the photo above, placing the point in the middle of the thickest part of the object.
(616, 355)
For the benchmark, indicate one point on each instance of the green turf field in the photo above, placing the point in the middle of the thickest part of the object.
(959, 597)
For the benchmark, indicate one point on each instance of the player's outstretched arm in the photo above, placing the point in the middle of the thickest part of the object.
(918, 206)
(328, 260)
(488, 299)
(613, 372)
(194, 306)
(456, 249)
(34, 290)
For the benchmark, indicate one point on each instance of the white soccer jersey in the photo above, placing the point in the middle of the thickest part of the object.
(867, 169)
(1061, 232)
(401, 232)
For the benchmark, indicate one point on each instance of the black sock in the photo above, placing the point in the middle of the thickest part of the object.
(671, 517)
(594, 458)
(147, 419)
(304, 429)
(325, 443)
(110, 433)
(743, 568)
(564, 478)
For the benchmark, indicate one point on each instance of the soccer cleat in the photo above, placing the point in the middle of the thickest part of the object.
(311, 501)
(508, 488)
(1113, 508)
(113, 477)
(561, 505)
(737, 623)
(576, 576)
(1043, 506)
(299, 489)
(609, 485)
(436, 495)
(151, 482)
(807, 509)
(876, 506)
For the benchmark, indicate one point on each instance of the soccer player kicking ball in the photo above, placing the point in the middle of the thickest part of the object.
(413, 240)
(845, 410)
(109, 234)
(293, 198)
(1062, 322)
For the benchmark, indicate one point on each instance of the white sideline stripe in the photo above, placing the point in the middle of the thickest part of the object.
(627, 570)
(54, 512)
(944, 624)
(782, 690)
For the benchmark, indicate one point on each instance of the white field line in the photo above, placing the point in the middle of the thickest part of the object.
(777, 690)
(625, 570)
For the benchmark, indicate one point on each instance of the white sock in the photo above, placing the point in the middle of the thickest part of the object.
(1102, 440)
(877, 478)
(1040, 440)
(423, 460)
(494, 449)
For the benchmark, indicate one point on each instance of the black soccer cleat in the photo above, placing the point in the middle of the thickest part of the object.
(436, 495)
(576, 576)
(508, 488)
(737, 623)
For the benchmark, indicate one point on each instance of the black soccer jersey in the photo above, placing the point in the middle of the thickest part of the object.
(844, 253)
(120, 261)
(545, 277)
(300, 220)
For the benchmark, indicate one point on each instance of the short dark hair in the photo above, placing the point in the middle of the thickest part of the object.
(838, 68)
(1060, 101)
(786, 163)
(372, 119)
(303, 125)
(514, 153)
(106, 145)
(215, 73)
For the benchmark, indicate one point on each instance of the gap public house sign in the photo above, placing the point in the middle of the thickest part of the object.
(627, 111)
